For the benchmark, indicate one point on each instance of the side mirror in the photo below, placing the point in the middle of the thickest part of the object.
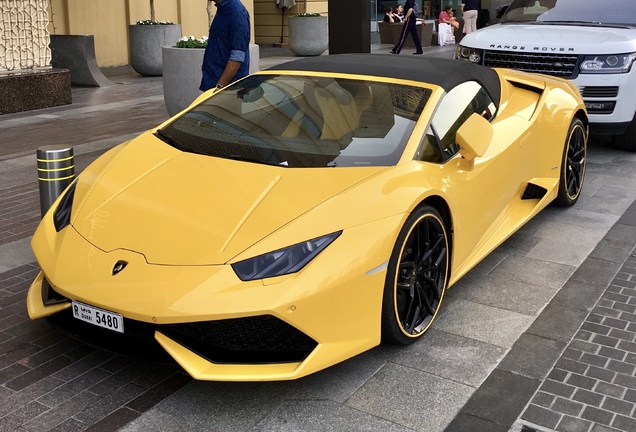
(474, 137)
(501, 10)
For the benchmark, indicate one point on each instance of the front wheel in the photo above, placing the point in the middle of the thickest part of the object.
(573, 165)
(416, 277)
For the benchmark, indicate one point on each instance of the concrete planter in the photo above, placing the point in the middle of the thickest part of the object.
(145, 46)
(308, 35)
(182, 75)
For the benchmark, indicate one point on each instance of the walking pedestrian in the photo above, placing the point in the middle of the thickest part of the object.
(410, 27)
(227, 56)
(469, 13)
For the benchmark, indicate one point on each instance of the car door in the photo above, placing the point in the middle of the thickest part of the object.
(479, 194)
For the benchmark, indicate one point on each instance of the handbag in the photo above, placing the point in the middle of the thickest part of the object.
(417, 13)
(445, 35)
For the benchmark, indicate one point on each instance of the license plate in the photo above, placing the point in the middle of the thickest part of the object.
(98, 317)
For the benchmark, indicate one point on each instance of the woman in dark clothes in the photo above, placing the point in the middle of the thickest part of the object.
(390, 17)
(410, 22)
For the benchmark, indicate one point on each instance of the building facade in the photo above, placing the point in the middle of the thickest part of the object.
(24, 23)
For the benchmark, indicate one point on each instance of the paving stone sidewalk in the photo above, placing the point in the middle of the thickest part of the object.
(573, 370)
(592, 387)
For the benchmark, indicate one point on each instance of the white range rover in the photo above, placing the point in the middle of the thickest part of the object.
(591, 42)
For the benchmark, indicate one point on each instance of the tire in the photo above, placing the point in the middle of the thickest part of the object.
(416, 278)
(573, 165)
(627, 141)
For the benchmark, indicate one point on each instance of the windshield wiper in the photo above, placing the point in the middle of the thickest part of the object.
(242, 158)
(168, 139)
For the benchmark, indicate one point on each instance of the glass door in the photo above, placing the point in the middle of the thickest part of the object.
(374, 16)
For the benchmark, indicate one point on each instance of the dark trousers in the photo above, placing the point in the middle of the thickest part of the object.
(409, 27)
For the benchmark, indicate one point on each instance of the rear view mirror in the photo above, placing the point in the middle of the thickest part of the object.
(474, 137)
(250, 94)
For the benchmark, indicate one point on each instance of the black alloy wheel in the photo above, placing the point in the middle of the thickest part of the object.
(573, 166)
(416, 278)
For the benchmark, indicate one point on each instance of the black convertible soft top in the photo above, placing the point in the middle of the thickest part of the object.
(442, 72)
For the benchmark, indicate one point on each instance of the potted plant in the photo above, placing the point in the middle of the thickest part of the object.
(308, 34)
(146, 39)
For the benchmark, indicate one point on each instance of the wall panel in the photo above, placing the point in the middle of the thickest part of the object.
(24, 36)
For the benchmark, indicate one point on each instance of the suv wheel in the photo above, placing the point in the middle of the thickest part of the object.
(627, 141)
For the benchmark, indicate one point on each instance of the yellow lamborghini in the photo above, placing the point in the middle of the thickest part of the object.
(305, 213)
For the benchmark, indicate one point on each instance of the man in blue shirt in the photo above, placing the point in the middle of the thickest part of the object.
(227, 56)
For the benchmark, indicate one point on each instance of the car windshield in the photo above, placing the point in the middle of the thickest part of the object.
(302, 121)
(594, 12)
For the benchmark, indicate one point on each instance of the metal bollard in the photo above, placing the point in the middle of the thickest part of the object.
(56, 170)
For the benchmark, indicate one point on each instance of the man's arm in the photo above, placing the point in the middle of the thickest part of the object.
(240, 39)
(231, 68)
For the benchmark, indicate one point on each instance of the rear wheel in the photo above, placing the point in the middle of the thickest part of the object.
(416, 278)
(573, 165)
(627, 141)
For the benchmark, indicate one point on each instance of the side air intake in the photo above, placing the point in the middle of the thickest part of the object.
(534, 192)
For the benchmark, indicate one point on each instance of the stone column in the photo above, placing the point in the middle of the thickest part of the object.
(349, 26)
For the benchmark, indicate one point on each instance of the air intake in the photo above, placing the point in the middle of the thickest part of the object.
(534, 192)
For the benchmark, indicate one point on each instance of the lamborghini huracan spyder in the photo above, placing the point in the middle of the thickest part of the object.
(305, 213)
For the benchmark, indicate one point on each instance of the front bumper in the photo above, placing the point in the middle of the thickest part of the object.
(256, 340)
(609, 100)
(215, 326)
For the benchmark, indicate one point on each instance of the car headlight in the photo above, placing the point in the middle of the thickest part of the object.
(469, 54)
(283, 261)
(62, 214)
(608, 64)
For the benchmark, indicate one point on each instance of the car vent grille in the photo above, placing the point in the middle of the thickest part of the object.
(561, 65)
(50, 296)
(137, 342)
(251, 340)
(534, 191)
(599, 92)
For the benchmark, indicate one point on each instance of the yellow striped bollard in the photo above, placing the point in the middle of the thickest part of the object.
(56, 170)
